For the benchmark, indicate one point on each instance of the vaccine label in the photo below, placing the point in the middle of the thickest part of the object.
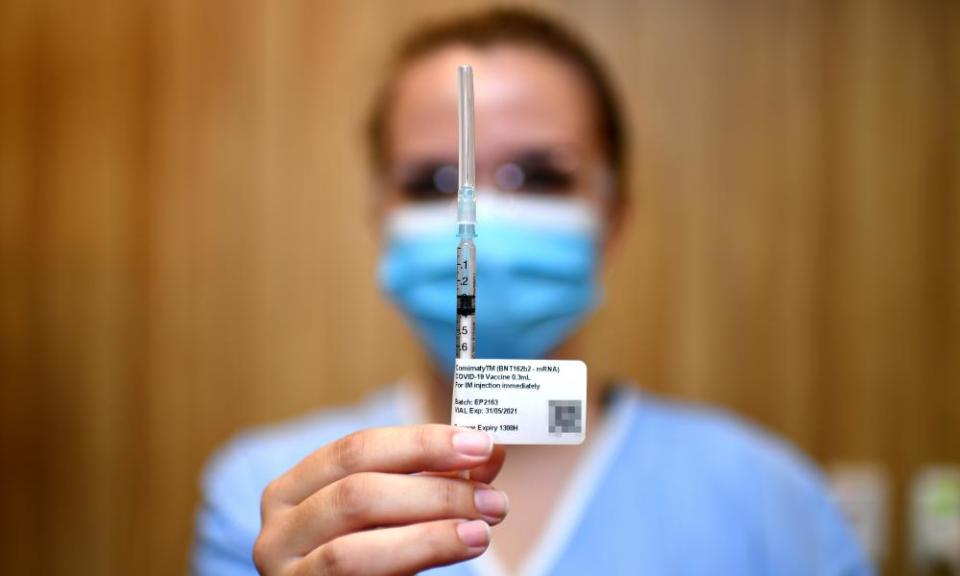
(522, 401)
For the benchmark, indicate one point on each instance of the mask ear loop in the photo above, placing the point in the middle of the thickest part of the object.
(603, 191)
(375, 204)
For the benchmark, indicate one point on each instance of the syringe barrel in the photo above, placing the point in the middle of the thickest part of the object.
(466, 273)
(466, 339)
(466, 297)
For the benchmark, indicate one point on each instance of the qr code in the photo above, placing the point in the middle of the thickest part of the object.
(566, 417)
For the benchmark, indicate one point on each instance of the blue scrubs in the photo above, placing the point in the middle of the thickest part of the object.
(666, 489)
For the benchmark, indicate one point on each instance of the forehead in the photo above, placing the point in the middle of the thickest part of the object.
(524, 98)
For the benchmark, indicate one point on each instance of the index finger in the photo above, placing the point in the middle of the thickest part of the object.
(402, 449)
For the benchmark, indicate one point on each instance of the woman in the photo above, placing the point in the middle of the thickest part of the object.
(373, 489)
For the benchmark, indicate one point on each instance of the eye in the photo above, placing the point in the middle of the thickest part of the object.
(429, 181)
(537, 173)
(547, 180)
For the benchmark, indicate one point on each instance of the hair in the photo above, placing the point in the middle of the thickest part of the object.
(509, 26)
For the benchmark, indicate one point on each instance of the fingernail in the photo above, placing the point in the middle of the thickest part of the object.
(473, 443)
(474, 534)
(492, 503)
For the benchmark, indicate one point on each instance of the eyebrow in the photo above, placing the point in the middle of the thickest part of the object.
(532, 155)
(535, 156)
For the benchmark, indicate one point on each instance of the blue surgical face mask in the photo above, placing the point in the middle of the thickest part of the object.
(536, 273)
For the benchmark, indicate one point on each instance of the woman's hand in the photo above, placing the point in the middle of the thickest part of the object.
(357, 506)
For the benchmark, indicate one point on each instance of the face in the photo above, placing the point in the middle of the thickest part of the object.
(537, 135)
(536, 124)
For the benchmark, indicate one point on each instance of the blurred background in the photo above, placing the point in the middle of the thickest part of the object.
(186, 248)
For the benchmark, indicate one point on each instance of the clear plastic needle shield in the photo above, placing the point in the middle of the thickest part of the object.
(516, 401)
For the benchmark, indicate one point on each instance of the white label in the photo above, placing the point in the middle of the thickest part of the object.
(522, 401)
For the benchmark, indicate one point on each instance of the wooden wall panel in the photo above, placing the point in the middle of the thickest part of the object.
(186, 247)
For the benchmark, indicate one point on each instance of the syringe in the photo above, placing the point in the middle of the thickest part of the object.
(466, 217)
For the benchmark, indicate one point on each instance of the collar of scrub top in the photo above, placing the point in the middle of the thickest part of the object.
(619, 400)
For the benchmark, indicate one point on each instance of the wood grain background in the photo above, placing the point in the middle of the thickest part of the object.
(185, 248)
